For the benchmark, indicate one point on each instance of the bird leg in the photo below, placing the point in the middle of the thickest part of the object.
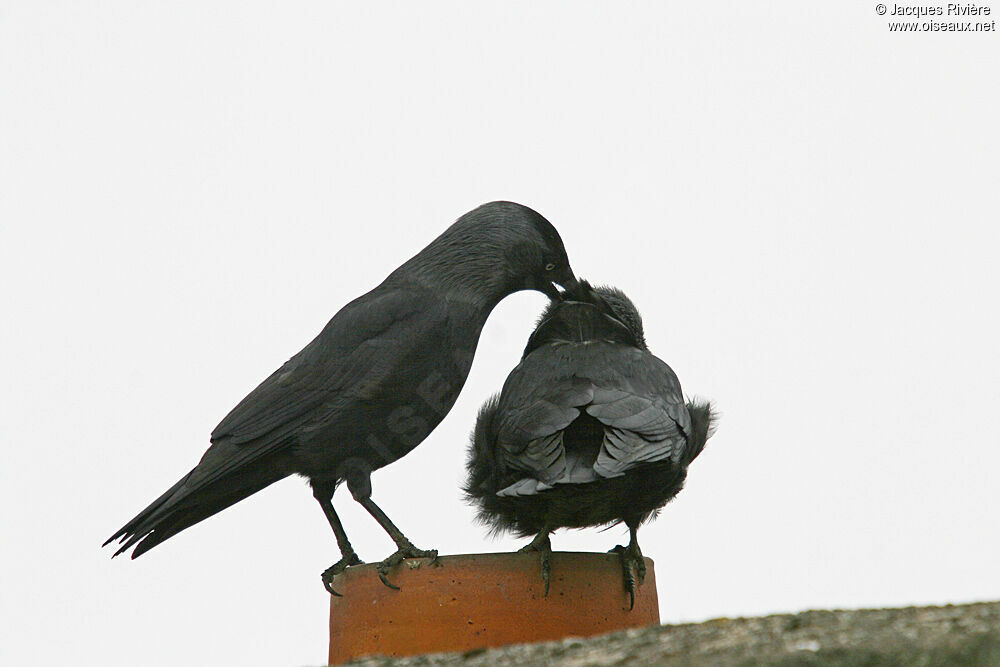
(543, 546)
(632, 558)
(348, 557)
(406, 548)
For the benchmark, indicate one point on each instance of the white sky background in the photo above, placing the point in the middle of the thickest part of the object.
(802, 205)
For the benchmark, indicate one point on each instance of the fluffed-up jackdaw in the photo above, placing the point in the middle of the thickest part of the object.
(590, 429)
(371, 386)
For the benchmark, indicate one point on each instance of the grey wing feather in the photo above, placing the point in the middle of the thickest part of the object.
(631, 392)
(534, 423)
(538, 401)
(650, 424)
(526, 486)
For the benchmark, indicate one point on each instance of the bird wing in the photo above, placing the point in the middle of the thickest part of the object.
(635, 395)
(640, 403)
(538, 401)
(355, 350)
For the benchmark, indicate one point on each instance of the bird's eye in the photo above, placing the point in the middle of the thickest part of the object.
(550, 266)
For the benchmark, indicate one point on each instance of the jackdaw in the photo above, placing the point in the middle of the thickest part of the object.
(371, 386)
(590, 429)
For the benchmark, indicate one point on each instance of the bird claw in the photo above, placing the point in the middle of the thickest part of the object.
(544, 549)
(336, 569)
(404, 552)
(381, 575)
(633, 570)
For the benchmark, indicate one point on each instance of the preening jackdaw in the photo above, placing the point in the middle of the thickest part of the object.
(371, 386)
(590, 429)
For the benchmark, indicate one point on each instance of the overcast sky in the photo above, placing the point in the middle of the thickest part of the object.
(802, 204)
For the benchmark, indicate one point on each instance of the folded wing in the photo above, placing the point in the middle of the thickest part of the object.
(634, 395)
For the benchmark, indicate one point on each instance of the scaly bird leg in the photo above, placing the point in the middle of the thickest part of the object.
(325, 498)
(406, 548)
(543, 546)
(632, 557)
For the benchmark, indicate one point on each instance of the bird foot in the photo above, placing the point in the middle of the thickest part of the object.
(335, 569)
(633, 569)
(405, 551)
(543, 546)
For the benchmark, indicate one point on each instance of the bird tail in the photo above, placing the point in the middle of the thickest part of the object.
(703, 422)
(181, 507)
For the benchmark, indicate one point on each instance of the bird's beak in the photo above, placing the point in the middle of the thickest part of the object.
(564, 279)
(546, 288)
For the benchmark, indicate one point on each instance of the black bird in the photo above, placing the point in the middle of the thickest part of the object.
(590, 429)
(371, 386)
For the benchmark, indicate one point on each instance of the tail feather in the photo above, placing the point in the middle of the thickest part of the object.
(133, 527)
(181, 507)
(703, 422)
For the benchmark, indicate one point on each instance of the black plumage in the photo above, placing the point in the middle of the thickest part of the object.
(372, 385)
(590, 429)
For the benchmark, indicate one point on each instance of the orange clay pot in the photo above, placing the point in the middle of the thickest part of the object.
(482, 600)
